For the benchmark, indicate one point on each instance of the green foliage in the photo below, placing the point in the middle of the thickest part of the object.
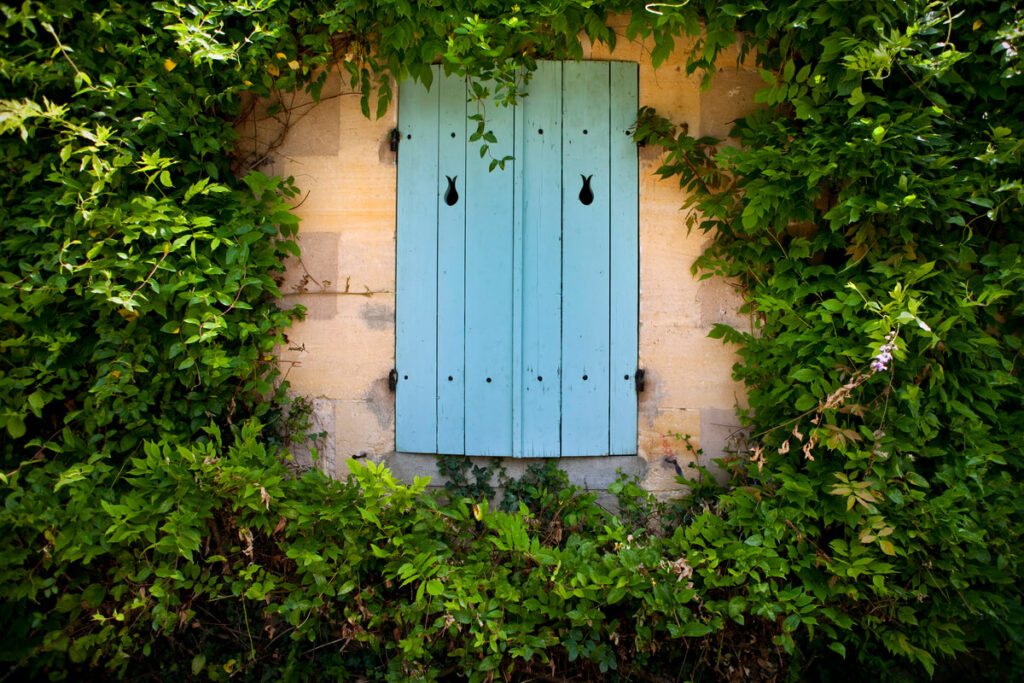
(876, 196)
(220, 560)
(136, 275)
(871, 212)
(457, 469)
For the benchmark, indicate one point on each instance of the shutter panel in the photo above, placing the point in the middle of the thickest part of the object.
(451, 264)
(489, 256)
(517, 302)
(585, 254)
(541, 259)
(624, 261)
(416, 273)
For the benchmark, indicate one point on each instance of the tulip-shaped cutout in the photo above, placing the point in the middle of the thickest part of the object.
(586, 194)
(451, 195)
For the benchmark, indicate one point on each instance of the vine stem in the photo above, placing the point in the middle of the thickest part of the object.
(60, 46)
(167, 250)
(697, 176)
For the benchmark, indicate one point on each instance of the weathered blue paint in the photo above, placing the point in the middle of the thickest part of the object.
(416, 272)
(535, 286)
(489, 255)
(541, 112)
(624, 260)
(451, 265)
(585, 254)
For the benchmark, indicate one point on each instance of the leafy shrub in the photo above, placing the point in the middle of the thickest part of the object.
(871, 213)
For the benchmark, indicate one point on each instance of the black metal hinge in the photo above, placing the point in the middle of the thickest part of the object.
(393, 379)
(394, 138)
(639, 379)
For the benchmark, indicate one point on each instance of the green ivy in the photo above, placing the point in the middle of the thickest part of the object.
(871, 213)
(875, 199)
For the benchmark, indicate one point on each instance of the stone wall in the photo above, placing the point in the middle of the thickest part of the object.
(340, 355)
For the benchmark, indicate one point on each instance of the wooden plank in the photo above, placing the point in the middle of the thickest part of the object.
(451, 264)
(624, 260)
(517, 284)
(541, 112)
(416, 271)
(489, 261)
(585, 254)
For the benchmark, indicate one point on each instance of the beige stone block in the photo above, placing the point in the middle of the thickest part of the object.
(730, 98)
(340, 356)
(659, 431)
(721, 436)
(663, 224)
(625, 50)
(365, 428)
(368, 214)
(315, 271)
(668, 88)
(292, 124)
(668, 291)
(660, 442)
(670, 303)
(311, 129)
(340, 184)
(730, 56)
(686, 369)
(720, 301)
(650, 158)
(333, 126)
(666, 243)
(672, 93)
(319, 436)
(713, 434)
(360, 259)
(362, 135)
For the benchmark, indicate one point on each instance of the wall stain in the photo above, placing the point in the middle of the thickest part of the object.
(378, 316)
(381, 402)
(384, 153)
(650, 399)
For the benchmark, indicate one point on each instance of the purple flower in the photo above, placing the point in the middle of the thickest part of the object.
(884, 356)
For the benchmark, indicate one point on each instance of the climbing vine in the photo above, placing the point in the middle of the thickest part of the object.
(870, 209)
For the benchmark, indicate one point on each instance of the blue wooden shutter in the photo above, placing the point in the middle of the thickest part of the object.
(517, 302)
(624, 259)
(489, 266)
(451, 263)
(540, 308)
(416, 272)
(586, 243)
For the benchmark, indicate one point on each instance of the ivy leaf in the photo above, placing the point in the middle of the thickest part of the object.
(805, 374)
(791, 623)
(15, 426)
(805, 402)
(695, 629)
(36, 401)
